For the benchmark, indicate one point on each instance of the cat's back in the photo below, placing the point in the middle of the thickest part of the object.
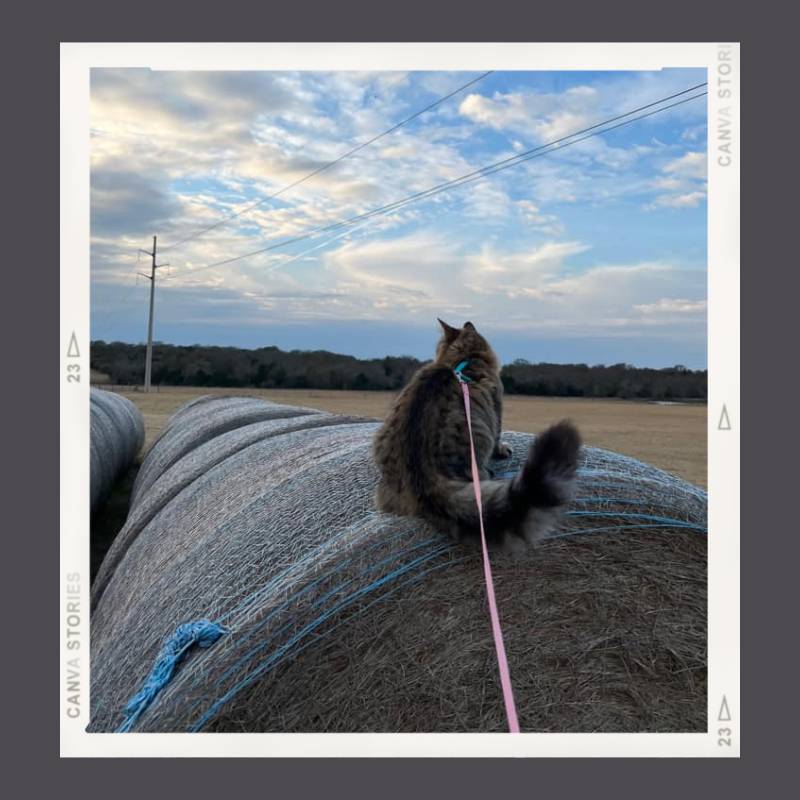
(409, 405)
(414, 409)
(403, 443)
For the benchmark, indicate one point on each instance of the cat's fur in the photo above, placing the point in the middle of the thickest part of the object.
(422, 451)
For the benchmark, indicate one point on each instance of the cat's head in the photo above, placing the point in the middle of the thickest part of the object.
(458, 344)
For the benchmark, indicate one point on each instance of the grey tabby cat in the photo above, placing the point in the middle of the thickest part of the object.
(422, 451)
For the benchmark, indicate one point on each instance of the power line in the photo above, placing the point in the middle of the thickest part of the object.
(291, 257)
(498, 166)
(327, 166)
(458, 182)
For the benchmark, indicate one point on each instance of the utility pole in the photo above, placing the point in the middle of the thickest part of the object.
(148, 363)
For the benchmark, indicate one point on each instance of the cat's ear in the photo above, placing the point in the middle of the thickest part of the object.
(468, 326)
(450, 333)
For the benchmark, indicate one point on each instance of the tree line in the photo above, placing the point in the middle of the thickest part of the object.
(270, 367)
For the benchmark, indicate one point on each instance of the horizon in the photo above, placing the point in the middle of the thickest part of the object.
(503, 362)
(591, 254)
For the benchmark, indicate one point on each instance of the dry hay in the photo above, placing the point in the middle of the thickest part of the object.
(344, 619)
(116, 436)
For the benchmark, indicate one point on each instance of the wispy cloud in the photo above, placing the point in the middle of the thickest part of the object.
(683, 182)
(673, 306)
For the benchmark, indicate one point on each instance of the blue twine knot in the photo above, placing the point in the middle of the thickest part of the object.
(202, 633)
(459, 371)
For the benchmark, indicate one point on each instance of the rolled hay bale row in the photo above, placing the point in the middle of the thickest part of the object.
(338, 618)
(116, 436)
(224, 428)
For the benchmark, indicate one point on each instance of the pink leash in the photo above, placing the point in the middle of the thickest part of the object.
(502, 663)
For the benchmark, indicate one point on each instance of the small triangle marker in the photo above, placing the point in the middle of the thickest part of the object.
(724, 711)
(724, 420)
(72, 350)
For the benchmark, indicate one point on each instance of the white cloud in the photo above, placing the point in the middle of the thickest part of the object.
(546, 223)
(673, 306)
(546, 116)
(531, 289)
(688, 200)
(517, 273)
(694, 132)
(689, 165)
(498, 113)
(682, 183)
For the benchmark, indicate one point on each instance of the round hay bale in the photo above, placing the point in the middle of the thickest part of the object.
(116, 436)
(340, 618)
(222, 429)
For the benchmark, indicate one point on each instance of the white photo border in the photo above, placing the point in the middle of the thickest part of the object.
(722, 61)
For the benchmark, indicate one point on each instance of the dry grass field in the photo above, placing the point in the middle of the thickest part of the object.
(672, 437)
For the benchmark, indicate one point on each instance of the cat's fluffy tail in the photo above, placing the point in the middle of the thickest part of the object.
(529, 505)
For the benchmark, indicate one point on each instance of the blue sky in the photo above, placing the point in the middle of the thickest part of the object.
(595, 253)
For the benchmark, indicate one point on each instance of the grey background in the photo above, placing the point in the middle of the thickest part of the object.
(32, 346)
